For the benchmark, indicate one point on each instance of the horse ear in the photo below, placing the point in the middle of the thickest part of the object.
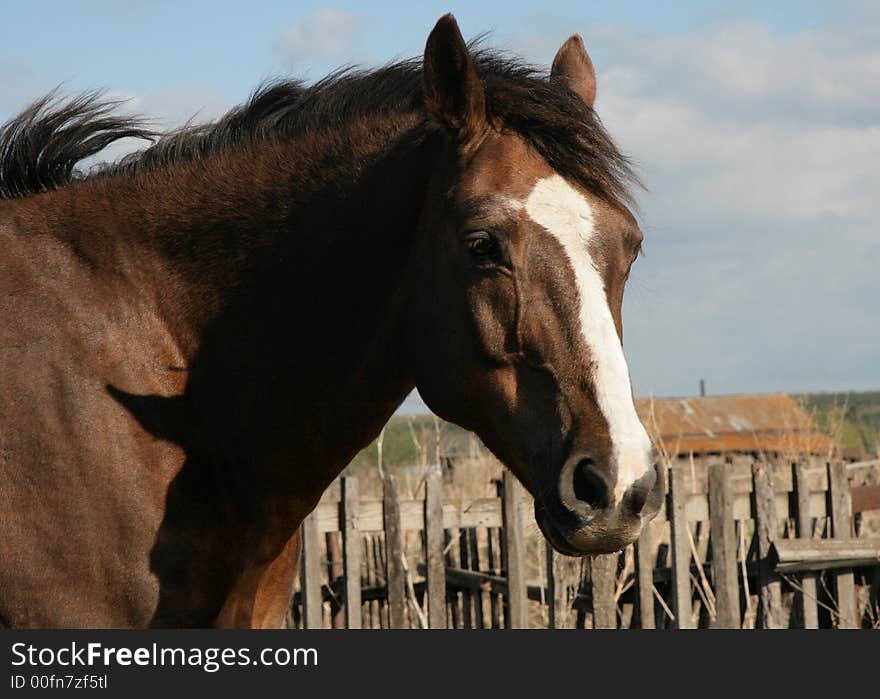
(574, 68)
(453, 93)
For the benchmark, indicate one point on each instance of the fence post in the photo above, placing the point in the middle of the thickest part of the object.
(394, 577)
(603, 575)
(764, 496)
(554, 603)
(496, 563)
(467, 596)
(801, 497)
(335, 568)
(560, 593)
(310, 576)
(434, 563)
(723, 525)
(681, 547)
(351, 547)
(474, 564)
(451, 560)
(514, 554)
(840, 505)
(645, 571)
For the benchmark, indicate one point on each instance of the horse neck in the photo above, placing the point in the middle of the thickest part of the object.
(281, 273)
(199, 234)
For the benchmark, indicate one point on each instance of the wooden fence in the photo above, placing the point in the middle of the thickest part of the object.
(736, 545)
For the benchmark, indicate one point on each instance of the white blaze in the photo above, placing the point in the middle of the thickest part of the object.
(566, 214)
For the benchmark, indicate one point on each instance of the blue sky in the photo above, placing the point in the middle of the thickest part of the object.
(755, 125)
(138, 46)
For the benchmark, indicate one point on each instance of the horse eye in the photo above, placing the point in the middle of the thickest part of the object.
(481, 244)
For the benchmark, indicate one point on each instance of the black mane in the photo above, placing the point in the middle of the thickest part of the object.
(39, 149)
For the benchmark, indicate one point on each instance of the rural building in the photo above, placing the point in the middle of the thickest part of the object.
(771, 424)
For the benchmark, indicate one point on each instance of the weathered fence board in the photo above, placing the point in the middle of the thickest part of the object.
(394, 556)
(481, 512)
(681, 547)
(792, 555)
(724, 559)
(644, 554)
(604, 578)
(310, 575)
(493, 546)
(351, 547)
(453, 596)
(436, 567)
(335, 571)
(517, 616)
(808, 593)
(765, 526)
(466, 592)
(555, 590)
(841, 522)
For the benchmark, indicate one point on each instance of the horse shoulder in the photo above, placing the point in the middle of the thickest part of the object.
(72, 458)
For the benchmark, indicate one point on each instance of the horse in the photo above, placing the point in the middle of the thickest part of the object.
(195, 340)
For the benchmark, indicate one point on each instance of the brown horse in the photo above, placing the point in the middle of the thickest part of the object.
(196, 340)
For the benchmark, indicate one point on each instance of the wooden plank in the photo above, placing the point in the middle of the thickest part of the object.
(645, 576)
(435, 568)
(473, 580)
(698, 505)
(494, 566)
(476, 512)
(453, 597)
(333, 547)
(828, 550)
(724, 559)
(474, 545)
(865, 498)
(395, 577)
(486, 512)
(604, 579)
(561, 570)
(380, 606)
(841, 522)
(369, 618)
(554, 602)
(351, 547)
(765, 529)
(379, 611)
(801, 499)
(741, 474)
(861, 560)
(466, 593)
(310, 575)
(681, 547)
(514, 554)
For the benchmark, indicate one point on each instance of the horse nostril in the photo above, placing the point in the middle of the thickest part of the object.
(638, 499)
(641, 489)
(589, 487)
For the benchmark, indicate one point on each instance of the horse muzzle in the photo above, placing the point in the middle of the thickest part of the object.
(584, 516)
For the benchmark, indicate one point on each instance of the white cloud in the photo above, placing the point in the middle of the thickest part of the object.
(328, 35)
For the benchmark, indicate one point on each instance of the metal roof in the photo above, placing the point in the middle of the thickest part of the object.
(745, 423)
